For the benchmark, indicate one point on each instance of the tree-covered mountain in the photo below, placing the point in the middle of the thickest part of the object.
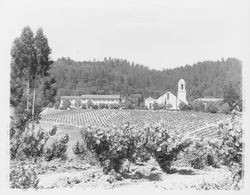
(117, 76)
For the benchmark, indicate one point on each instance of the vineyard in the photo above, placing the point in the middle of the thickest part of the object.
(85, 141)
(193, 123)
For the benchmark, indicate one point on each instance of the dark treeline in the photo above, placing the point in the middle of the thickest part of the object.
(117, 76)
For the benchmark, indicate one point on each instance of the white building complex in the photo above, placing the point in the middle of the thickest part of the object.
(168, 99)
(95, 99)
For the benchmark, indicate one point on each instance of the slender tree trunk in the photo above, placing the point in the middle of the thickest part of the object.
(33, 107)
(28, 94)
(33, 104)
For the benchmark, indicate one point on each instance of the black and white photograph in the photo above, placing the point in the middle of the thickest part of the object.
(124, 95)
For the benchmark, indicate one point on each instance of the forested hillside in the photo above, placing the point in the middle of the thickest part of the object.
(116, 76)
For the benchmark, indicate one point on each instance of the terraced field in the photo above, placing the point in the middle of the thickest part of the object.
(193, 123)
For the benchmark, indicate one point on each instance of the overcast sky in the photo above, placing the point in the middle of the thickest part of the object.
(158, 34)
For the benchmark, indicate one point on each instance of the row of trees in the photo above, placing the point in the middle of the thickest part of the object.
(31, 86)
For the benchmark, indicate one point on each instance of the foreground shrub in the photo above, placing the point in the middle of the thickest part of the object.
(30, 143)
(78, 148)
(57, 149)
(228, 151)
(232, 150)
(23, 178)
(163, 146)
(202, 153)
(111, 147)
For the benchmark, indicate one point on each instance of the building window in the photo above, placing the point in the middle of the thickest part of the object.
(182, 86)
(168, 96)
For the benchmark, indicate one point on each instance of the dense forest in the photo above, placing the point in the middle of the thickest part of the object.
(118, 76)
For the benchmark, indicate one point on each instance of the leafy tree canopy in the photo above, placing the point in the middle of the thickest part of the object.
(117, 76)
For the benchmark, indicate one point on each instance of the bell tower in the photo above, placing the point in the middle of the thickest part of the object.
(181, 94)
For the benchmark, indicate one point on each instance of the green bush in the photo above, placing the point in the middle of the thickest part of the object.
(95, 106)
(66, 104)
(142, 155)
(202, 153)
(84, 106)
(184, 106)
(78, 148)
(231, 149)
(50, 105)
(164, 147)
(129, 105)
(224, 108)
(57, 149)
(228, 151)
(102, 105)
(78, 103)
(232, 97)
(56, 105)
(114, 106)
(198, 106)
(169, 106)
(212, 108)
(30, 143)
(161, 106)
(110, 147)
(89, 104)
(53, 131)
(156, 106)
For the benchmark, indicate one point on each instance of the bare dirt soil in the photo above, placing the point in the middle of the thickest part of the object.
(76, 173)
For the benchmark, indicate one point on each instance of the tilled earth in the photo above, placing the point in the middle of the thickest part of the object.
(76, 173)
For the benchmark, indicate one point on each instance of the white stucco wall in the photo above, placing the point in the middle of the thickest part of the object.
(181, 94)
(94, 101)
(149, 102)
(164, 98)
(99, 101)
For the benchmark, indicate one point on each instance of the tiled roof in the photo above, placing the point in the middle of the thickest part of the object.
(70, 97)
(209, 99)
(92, 96)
